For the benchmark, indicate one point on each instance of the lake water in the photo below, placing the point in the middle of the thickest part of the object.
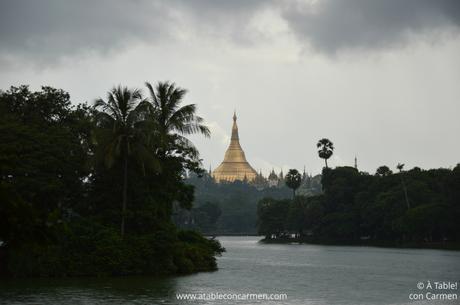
(307, 274)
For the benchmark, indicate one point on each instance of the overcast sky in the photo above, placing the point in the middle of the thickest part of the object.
(381, 79)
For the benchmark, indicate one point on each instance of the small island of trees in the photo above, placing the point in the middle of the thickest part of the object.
(89, 189)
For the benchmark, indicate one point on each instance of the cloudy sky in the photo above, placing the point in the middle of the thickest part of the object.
(381, 79)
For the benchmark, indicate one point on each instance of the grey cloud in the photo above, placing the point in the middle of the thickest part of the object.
(43, 31)
(46, 30)
(333, 25)
(223, 19)
(49, 29)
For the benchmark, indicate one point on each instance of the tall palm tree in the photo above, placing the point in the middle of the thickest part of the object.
(293, 180)
(400, 167)
(174, 121)
(325, 149)
(119, 135)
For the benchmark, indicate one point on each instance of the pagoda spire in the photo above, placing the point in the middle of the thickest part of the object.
(235, 166)
(235, 128)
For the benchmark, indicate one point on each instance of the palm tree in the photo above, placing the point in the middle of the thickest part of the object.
(293, 180)
(325, 149)
(119, 134)
(400, 167)
(174, 121)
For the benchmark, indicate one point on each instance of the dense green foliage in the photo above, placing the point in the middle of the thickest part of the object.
(225, 208)
(360, 208)
(89, 190)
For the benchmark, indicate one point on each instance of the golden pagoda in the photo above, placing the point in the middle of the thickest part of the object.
(234, 167)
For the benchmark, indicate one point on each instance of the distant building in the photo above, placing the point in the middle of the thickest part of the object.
(260, 182)
(234, 167)
(272, 179)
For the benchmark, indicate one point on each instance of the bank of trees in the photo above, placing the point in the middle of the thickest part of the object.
(357, 207)
(225, 208)
(90, 189)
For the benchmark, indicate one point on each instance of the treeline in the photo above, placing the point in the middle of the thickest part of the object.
(225, 208)
(90, 189)
(409, 208)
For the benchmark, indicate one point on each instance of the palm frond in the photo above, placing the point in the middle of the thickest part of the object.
(152, 94)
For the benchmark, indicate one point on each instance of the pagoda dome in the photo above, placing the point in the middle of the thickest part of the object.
(234, 166)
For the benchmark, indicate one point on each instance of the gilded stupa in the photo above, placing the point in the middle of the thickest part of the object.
(234, 167)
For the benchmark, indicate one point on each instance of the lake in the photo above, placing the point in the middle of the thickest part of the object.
(307, 274)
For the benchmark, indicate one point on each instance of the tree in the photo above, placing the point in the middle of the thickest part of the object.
(206, 216)
(313, 212)
(293, 179)
(271, 220)
(400, 167)
(325, 149)
(118, 135)
(43, 152)
(383, 171)
(174, 121)
(295, 215)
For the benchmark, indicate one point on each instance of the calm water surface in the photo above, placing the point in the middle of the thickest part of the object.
(308, 274)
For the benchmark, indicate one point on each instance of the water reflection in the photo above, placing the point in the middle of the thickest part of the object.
(120, 290)
(308, 274)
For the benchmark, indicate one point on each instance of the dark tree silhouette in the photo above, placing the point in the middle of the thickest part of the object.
(293, 179)
(400, 167)
(383, 171)
(174, 121)
(117, 132)
(325, 149)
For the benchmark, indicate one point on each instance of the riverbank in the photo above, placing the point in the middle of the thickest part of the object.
(455, 246)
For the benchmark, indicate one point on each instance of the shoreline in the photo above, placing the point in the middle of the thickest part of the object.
(230, 234)
(452, 246)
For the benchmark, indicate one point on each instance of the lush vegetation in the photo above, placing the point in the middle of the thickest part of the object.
(227, 208)
(410, 208)
(90, 189)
